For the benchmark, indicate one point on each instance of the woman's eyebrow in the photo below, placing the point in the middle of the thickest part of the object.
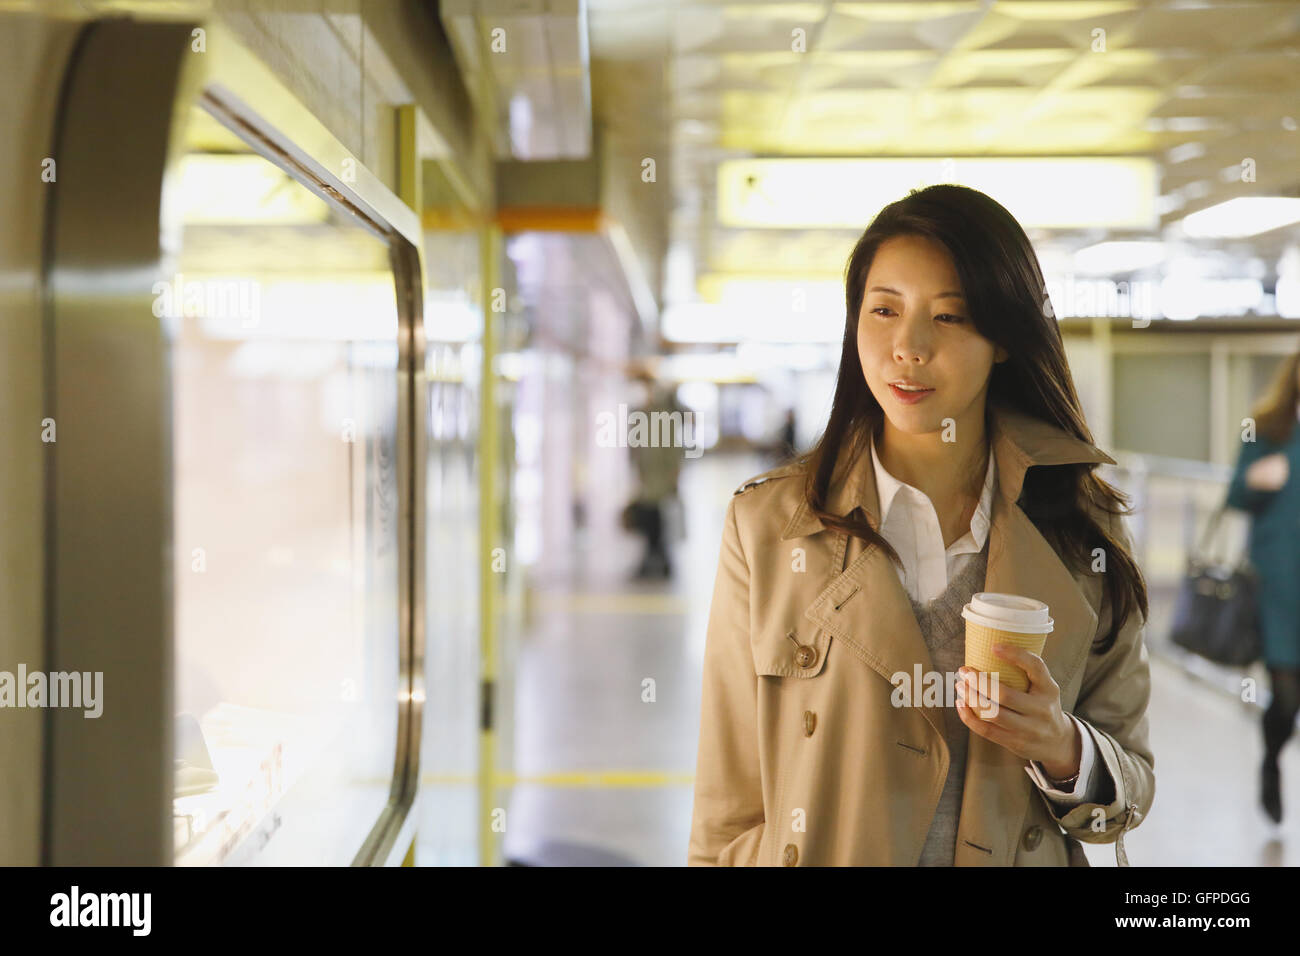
(941, 295)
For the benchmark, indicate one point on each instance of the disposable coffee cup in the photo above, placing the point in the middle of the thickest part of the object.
(993, 618)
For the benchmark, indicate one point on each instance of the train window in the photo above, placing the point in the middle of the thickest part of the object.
(284, 325)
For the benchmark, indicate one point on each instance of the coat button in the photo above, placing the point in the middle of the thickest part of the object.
(809, 723)
(805, 656)
(1033, 837)
(791, 855)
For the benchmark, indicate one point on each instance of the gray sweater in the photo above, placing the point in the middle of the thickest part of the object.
(944, 630)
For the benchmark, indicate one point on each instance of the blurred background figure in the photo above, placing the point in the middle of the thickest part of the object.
(787, 448)
(658, 465)
(1265, 485)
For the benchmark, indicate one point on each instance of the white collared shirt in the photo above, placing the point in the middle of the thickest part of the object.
(909, 522)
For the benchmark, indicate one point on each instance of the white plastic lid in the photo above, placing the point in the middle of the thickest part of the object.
(1008, 612)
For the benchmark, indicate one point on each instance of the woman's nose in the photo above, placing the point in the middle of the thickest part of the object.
(912, 344)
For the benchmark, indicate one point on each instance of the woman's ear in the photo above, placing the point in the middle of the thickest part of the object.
(1000, 354)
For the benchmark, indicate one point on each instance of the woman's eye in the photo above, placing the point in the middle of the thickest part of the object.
(943, 317)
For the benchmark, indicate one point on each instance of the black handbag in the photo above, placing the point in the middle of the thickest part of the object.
(1215, 614)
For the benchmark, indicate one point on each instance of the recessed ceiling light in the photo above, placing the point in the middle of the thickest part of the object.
(1243, 216)
(1119, 256)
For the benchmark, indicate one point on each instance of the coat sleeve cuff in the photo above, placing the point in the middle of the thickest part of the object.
(1082, 821)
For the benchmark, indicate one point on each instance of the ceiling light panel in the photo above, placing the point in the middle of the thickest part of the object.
(1049, 193)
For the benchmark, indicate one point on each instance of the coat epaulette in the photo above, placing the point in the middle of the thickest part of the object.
(783, 472)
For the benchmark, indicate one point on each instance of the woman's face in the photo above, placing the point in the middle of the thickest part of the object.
(912, 327)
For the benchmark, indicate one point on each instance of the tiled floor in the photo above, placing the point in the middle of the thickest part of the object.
(605, 766)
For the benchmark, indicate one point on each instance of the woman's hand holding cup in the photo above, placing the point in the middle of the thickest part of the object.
(1021, 709)
(1030, 723)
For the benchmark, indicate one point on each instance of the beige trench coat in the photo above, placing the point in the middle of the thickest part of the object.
(803, 760)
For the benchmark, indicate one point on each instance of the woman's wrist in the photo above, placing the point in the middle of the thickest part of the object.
(1066, 767)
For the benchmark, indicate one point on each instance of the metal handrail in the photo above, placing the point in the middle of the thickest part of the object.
(1145, 467)
(1141, 468)
(1173, 467)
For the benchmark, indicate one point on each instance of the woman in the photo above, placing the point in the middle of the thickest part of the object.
(1264, 485)
(955, 460)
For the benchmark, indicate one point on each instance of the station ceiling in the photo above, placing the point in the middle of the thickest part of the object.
(1198, 85)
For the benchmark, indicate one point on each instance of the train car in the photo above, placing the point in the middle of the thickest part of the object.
(242, 542)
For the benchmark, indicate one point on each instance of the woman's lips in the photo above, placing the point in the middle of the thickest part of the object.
(909, 398)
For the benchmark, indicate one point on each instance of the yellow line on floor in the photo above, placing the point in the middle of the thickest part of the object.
(577, 778)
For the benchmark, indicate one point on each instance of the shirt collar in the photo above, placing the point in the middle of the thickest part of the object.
(888, 487)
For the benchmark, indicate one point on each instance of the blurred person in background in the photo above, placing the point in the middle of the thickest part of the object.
(1266, 483)
(657, 465)
(787, 450)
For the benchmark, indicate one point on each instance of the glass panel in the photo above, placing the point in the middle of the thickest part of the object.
(449, 815)
(286, 515)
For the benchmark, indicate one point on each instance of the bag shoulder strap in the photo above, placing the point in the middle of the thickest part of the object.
(1209, 531)
(1201, 553)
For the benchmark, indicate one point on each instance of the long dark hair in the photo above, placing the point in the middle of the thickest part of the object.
(1275, 414)
(1009, 306)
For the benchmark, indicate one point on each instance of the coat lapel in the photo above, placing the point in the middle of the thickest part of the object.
(996, 790)
(867, 610)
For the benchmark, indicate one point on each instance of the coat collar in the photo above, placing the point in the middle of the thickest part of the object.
(879, 628)
(1018, 441)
